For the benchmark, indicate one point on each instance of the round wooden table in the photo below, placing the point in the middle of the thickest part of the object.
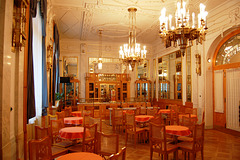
(72, 133)
(77, 114)
(143, 118)
(80, 156)
(165, 111)
(73, 120)
(178, 130)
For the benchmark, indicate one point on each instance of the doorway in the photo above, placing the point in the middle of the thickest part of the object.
(108, 92)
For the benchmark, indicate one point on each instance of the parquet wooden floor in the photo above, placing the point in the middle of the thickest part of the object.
(217, 146)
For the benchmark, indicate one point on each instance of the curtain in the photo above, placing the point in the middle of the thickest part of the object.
(56, 55)
(30, 80)
(233, 98)
(43, 9)
(218, 91)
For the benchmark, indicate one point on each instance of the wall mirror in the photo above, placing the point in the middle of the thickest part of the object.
(189, 75)
(70, 66)
(142, 70)
(170, 76)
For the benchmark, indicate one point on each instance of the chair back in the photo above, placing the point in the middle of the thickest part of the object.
(157, 136)
(152, 112)
(68, 111)
(56, 125)
(121, 155)
(60, 115)
(130, 122)
(174, 118)
(97, 121)
(157, 119)
(51, 117)
(138, 110)
(198, 136)
(86, 119)
(90, 138)
(40, 149)
(108, 144)
(189, 122)
(41, 132)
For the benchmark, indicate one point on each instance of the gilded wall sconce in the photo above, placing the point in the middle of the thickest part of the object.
(198, 64)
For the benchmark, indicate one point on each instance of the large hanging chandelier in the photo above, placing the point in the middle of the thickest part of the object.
(131, 53)
(183, 34)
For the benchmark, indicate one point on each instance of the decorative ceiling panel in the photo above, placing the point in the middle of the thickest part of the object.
(81, 19)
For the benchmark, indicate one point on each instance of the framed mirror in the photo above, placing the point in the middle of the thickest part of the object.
(143, 70)
(170, 76)
(70, 66)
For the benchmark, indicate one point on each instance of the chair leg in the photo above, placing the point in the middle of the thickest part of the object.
(202, 154)
(135, 139)
(151, 153)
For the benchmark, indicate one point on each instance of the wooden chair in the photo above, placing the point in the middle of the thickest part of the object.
(56, 125)
(89, 110)
(158, 142)
(86, 119)
(97, 121)
(51, 117)
(190, 123)
(130, 128)
(174, 118)
(196, 145)
(138, 110)
(143, 109)
(152, 112)
(89, 138)
(40, 149)
(60, 115)
(121, 155)
(68, 111)
(41, 134)
(117, 119)
(108, 144)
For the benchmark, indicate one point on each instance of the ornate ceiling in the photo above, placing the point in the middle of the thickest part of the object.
(81, 19)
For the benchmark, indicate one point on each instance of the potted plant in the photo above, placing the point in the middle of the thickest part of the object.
(58, 97)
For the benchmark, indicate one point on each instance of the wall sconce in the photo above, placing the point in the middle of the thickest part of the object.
(198, 64)
(208, 60)
(49, 56)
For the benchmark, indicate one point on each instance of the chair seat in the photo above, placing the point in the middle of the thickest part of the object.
(58, 151)
(75, 148)
(63, 144)
(170, 147)
(185, 145)
(185, 139)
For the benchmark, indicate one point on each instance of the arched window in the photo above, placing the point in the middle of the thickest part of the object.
(229, 51)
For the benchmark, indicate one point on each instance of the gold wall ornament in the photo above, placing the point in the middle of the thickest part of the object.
(19, 24)
(198, 64)
(182, 34)
(49, 57)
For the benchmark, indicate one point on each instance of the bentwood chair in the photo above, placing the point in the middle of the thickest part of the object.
(68, 111)
(121, 155)
(117, 119)
(158, 142)
(190, 123)
(107, 144)
(40, 139)
(131, 129)
(196, 145)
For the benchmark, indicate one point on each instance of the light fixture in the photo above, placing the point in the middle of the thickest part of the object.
(198, 64)
(100, 49)
(182, 33)
(131, 53)
(208, 60)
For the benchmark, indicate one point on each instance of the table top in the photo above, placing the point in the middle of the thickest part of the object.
(143, 118)
(80, 156)
(129, 108)
(178, 130)
(73, 120)
(72, 132)
(167, 111)
(77, 113)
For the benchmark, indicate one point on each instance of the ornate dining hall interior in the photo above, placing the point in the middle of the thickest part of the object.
(119, 79)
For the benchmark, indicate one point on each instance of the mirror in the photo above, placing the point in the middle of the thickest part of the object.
(189, 76)
(70, 66)
(142, 70)
(170, 76)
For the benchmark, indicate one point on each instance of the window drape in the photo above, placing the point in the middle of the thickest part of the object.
(233, 98)
(218, 91)
(30, 80)
(43, 9)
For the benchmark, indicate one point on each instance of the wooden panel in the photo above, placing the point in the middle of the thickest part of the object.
(219, 119)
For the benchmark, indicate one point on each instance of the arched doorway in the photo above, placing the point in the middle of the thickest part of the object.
(226, 82)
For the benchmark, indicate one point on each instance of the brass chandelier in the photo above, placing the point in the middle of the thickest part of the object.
(182, 34)
(131, 53)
